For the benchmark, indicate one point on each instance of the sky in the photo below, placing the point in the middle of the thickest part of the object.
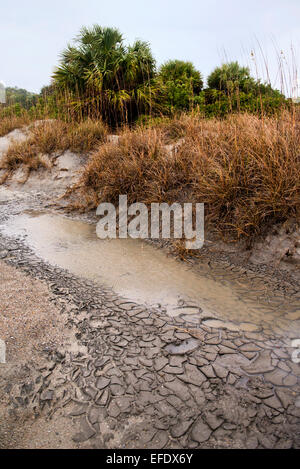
(33, 33)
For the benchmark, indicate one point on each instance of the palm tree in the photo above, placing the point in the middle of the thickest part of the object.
(231, 77)
(105, 76)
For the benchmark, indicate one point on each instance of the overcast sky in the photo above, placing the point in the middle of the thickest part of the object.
(33, 33)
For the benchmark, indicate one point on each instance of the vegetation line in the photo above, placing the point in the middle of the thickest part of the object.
(233, 144)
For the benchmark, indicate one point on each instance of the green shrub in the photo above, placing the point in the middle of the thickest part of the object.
(181, 84)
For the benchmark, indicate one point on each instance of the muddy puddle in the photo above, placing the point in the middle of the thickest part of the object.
(142, 273)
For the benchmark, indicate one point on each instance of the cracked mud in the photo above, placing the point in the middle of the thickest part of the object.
(130, 374)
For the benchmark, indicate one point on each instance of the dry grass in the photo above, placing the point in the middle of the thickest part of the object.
(138, 166)
(245, 169)
(172, 129)
(53, 136)
(22, 154)
(8, 124)
(56, 136)
(86, 136)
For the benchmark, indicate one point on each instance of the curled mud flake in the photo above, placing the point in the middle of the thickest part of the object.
(185, 347)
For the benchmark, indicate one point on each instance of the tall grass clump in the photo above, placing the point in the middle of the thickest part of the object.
(85, 136)
(128, 167)
(53, 136)
(23, 154)
(10, 123)
(244, 168)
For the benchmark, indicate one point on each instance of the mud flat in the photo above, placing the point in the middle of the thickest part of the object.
(198, 363)
(30, 324)
(146, 275)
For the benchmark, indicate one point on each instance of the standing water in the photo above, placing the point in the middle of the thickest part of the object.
(142, 273)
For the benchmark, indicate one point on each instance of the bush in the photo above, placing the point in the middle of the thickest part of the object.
(181, 84)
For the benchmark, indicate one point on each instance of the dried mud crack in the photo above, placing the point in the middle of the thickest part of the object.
(115, 374)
